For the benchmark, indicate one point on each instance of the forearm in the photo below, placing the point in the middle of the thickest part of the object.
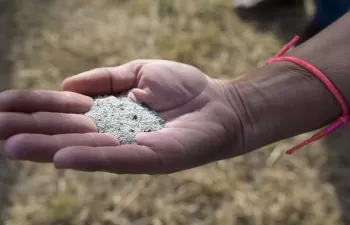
(281, 100)
(330, 52)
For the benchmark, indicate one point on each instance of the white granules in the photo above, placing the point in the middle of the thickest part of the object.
(123, 118)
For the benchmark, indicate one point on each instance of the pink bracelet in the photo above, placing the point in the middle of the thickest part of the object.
(342, 120)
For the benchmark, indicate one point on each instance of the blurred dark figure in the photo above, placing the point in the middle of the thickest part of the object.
(269, 12)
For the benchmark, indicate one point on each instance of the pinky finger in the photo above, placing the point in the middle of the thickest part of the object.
(124, 159)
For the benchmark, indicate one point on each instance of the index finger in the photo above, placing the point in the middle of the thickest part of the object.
(105, 80)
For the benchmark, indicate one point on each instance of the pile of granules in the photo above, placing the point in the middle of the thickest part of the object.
(123, 118)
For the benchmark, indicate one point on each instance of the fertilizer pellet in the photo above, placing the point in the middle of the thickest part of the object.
(123, 118)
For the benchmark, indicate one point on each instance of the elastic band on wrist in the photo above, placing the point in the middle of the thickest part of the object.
(342, 120)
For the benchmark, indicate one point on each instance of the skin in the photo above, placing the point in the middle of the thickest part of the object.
(206, 119)
(200, 124)
(281, 100)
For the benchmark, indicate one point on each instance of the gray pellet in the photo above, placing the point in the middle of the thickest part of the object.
(123, 118)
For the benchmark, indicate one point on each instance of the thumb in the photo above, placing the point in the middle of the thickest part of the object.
(105, 80)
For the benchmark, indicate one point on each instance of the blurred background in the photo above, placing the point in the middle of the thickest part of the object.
(43, 42)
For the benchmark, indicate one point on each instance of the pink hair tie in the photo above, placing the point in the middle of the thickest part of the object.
(342, 120)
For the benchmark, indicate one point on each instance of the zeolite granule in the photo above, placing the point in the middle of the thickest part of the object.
(123, 118)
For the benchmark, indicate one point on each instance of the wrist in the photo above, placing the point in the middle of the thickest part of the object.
(278, 101)
(329, 52)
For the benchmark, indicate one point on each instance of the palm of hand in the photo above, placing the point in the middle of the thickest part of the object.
(198, 118)
(199, 126)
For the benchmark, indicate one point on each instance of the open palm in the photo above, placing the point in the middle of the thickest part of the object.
(46, 126)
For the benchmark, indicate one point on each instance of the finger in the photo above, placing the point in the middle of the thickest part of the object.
(138, 95)
(42, 100)
(105, 81)
(42, 148)
(44, 123)
(124, 159)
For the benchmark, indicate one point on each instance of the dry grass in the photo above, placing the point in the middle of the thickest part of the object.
(55, 39)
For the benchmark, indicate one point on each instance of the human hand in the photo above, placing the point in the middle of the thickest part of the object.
(201, 124)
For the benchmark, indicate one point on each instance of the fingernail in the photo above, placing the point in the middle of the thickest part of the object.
(61, 161)
(10, 152)
(131, 95)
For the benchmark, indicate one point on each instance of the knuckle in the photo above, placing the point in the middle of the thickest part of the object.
(67, 103)
(137, 64)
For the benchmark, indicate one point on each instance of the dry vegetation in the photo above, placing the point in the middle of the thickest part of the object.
(47, 41)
